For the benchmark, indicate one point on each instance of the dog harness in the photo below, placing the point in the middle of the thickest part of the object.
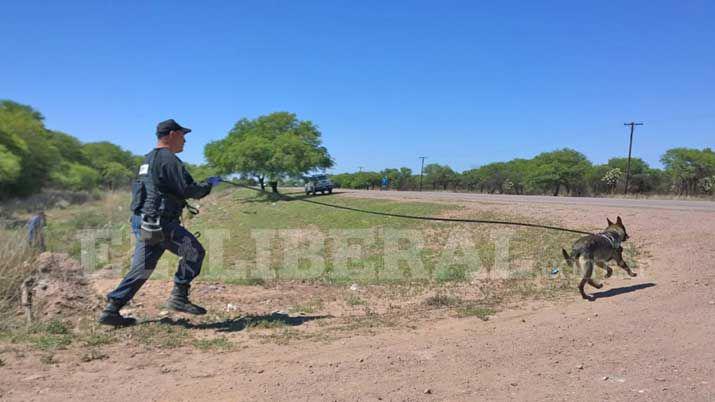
(615, 241)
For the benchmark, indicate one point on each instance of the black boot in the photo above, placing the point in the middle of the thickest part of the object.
(111, 316)
(179, 301)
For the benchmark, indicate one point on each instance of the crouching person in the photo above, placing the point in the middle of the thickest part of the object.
(158, 198)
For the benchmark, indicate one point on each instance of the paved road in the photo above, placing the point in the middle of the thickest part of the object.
(706, 206)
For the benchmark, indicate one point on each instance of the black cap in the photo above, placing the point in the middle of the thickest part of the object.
(167, 126)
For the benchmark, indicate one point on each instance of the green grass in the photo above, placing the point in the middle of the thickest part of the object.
(218, 344)
(55, 327)
(50, 342)
(48, 336)
(160, 336)
(108, 218)
(229, 217)
(476, 311)
(442, 300)
(463, 308)
(94, 339)
(244, 211)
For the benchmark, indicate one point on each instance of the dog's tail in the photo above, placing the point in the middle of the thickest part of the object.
(567, 257)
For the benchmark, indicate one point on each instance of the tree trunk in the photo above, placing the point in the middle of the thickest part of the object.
(274, 186)
(556, 190)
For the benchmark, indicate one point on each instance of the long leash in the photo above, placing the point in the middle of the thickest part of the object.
(415, 217)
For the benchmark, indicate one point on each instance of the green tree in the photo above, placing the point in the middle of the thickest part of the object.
(642, 177)
(687, 166)
(638, 165)
(400, 179)
(25, 141)
(69, 147)
(612, 177)
(272, 146)
(75, 176)
(101, 154)
(562, 168)
(473, 179)
(10, 167)
(369, 180)
(201, 172)
(115, 175)
(115, 165)
(493, 177)
(439, 175)
(341, 180)
(517, 172)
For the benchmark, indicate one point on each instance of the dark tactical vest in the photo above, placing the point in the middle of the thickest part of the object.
(151, 198)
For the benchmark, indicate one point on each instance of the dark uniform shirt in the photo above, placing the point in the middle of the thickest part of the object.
(172, 184)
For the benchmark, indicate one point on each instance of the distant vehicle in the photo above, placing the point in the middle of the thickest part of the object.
(316, 183)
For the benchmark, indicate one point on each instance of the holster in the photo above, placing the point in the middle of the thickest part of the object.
(151, 232)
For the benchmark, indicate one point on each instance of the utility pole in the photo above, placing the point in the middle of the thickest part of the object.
(422, 168)
(630, 146)
(359, 169)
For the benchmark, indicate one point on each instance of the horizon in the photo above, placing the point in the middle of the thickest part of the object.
(464, 86)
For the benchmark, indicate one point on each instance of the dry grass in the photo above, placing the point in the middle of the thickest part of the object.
(67, 212)
(15, 266)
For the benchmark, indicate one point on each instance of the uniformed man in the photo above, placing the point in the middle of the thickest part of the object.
(158, 198)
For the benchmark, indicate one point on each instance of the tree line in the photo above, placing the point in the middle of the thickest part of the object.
(33, 157)
(279, 147)
(561, 172)
(276, 148)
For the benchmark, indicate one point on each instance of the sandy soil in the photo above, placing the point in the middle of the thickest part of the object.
(646, 338)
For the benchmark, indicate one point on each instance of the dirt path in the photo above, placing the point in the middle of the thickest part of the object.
(646, 338)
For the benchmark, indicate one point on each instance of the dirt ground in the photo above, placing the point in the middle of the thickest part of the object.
(646, 338)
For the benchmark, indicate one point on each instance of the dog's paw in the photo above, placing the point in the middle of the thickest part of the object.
(632, 274)
(598, 286)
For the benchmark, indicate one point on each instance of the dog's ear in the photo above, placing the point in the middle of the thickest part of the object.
(619, 221)
(609, 222)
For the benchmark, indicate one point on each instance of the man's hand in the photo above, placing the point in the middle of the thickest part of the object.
(214, 180)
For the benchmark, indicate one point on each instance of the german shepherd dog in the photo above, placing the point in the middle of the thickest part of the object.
(599, 249)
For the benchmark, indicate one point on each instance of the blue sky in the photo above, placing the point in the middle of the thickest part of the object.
(463, 83)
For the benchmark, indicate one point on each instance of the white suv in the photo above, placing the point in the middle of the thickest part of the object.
(317, 183)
